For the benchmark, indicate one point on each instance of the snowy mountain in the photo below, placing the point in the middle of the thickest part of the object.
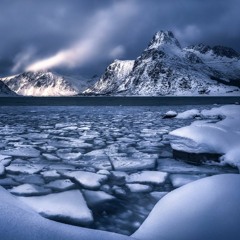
(113, 77)
(5, 90)
(165, 68)
(44, 83)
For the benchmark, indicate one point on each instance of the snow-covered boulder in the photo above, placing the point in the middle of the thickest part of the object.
(222, 138)
(18, 221)
(205, 209)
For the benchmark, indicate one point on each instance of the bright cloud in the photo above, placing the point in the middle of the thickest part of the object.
(102, 27)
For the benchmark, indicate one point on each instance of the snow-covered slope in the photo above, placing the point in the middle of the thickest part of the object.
(165, 68)
(44, 83)
(5, 91)
(113, 77)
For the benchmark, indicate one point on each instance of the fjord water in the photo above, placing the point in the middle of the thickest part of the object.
(118, 144)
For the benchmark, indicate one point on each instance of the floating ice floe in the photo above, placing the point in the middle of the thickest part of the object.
(138, 188)
(67, 206)
(21, 152)
(221, 138)
(179, 180)
(86, 179)
(95, 198)
(153, 177)
(176, 166)
(29, 178)
(51, 174)
(29, 190)
(60, 185)
(24, 168)
(68, 156)
(158, 195)
(50, 157)
(170, 114)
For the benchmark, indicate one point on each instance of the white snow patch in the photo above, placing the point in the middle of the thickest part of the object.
(67, 206)
(222, 137)
(205, 209)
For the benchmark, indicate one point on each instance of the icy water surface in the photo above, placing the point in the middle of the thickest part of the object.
(118, 157)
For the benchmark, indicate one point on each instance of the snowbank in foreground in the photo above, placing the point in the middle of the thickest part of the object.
(222, 137)
(17, 221)
(205, 209)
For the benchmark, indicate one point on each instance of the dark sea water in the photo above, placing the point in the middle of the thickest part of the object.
(115, 101)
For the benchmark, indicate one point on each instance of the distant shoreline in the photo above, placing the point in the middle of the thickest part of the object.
(117, 101)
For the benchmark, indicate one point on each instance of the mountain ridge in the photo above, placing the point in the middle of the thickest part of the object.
(165, 68)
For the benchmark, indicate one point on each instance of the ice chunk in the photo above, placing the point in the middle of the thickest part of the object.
(86, 179)
(24, 168)
(158, 195)
(196, 211)
(21, 152)
(170, 114)
(50, 157)
(179, 180)
(132, 163)
(138, 188)
(60, 185)
(173, 166)
(50, 175)
(119, 175)
(67, 206)
(95, 198)
(69, 156)
(29, 190)
(33, 179)
(153, 177)
(35, 135)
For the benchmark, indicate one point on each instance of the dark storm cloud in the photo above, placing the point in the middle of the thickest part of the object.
(87, 35)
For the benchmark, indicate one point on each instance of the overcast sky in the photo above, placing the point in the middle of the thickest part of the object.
(85, 36)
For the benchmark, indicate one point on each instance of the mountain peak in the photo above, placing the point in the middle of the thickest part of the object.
(164, 38)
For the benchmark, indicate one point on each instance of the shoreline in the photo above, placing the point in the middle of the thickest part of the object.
(117, 101)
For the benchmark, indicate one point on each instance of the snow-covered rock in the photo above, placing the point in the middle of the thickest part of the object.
(67, 206)
(189, 114)
(221, 138)
(205, 209)
(165, 68)
(16, 219)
